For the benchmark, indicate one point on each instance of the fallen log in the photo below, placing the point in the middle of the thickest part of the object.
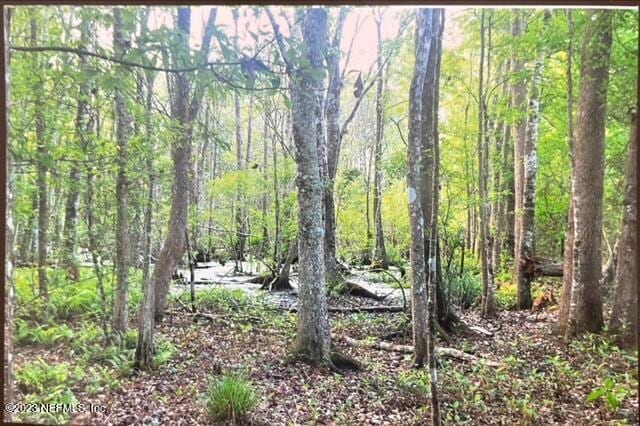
(356, 309)
(408, 349)
(354, 289)
(549, 270)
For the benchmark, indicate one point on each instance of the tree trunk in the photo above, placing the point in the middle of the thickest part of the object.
(9, 288)
(43, 204)
(184, 108)
(123, 133)
(624, 313)
(71, 208)
(585, 306)
(567, 267)
(415, 183)
(313, 340)
(334, 139)
(519, 104)
(241, 229)
(488, 298)
(380, 259)
(526, 248)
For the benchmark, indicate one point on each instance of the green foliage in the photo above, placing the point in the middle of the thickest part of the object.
(222, 299)
(46, 335)
(416, 383)
(230, 398)
(464, 291)
(507, 296)
(612, 392)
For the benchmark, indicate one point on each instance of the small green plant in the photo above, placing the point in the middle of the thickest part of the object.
(611, 391)
(416, 383)
(40, 377)
(465, 290)
(165, 350)
(231, 398)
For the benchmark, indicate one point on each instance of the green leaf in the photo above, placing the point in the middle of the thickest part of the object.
(596, 394)
(608, 383)
(613, 401)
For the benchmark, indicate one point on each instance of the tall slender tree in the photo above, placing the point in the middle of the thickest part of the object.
(121, 39)
(415, 174)
(185, 104)
(380, 258)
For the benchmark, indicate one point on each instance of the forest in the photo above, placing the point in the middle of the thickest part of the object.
(320, 215)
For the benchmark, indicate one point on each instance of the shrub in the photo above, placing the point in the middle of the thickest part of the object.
(231, 398)
(465, 290)
(507, 296)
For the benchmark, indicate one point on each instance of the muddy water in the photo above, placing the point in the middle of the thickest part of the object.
(213, 275)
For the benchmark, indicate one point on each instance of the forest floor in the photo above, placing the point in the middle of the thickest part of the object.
(540, 379)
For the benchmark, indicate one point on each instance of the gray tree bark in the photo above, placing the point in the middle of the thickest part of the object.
(415, 175)
(9, 288)
(526, 231)
(123, 133)
(313, 339)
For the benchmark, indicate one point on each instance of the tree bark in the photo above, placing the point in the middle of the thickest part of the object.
(585, 306)
(624, 313)
(313, 338)
(519, 103)
(526, 247)
(415, 181)
(123, 133)
(9, 288)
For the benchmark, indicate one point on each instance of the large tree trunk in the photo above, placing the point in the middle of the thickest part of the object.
(380, 259)
(415, 183)
(624, 312)
(43, 191)
(123, 133)
(585, 306)
(526, 247)
(313, 340)
(434, 278)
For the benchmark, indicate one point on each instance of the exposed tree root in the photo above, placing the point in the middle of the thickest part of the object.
(408, 349)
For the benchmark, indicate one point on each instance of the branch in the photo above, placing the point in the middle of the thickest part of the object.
(81, 52)
(280, 42)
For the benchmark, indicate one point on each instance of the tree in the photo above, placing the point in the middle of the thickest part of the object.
(415, 174)
(526, 226)
(185, 104)
(488, 298)
(313, 340)
(43, 187)
(585, 306)
(624, 313)
(123, 122)
(380, 258)
(9, 286)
